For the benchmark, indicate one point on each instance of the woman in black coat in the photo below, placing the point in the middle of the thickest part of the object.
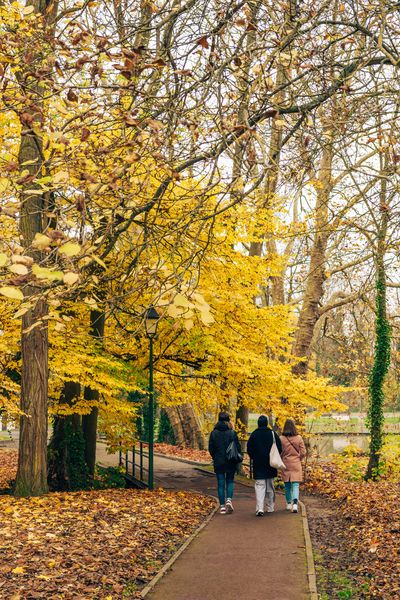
(258, 448)
(220, 438)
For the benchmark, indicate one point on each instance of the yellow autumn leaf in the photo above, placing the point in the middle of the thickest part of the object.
(41, 241)
(18, 269)
(22, 259)
(18, 570)
(3, 184)
(70, 278)
(11, 292)
(174, 311)
(70, 249)
(43, 273)
(180, 300)
(90, 302)
(3, 259)
(99, 261)
(21, 312)
(206, 317)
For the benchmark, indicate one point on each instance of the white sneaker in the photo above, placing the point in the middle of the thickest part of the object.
(259, 513)
(222, 510)
(229, 506)
(289, 506)
(295, 507)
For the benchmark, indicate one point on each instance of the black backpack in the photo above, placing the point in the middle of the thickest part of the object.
(232, 453)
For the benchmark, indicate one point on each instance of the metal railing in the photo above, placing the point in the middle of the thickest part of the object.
(136, 470)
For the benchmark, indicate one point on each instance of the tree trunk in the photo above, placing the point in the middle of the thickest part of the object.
(377, 377)
(32, 460)
(67, 468)
(242, 421)
(382, 344)
(89, 429)
(313, 294)
(89, 422)
(194, 437)
(176, 424)
(186, 427)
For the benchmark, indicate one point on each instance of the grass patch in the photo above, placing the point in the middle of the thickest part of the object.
(336, 584)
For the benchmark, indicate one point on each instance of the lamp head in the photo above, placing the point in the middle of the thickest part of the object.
(151, 321)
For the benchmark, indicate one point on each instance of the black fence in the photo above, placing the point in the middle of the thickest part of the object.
(136, 469)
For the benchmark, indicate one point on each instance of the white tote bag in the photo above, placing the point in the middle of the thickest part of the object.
(274, 457)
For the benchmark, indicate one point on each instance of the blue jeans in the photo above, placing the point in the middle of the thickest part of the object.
(225, 480)
(292, 491)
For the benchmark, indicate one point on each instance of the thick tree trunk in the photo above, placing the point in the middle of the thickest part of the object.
(186, 426)
(89, 429)
(67, 468)
(193, 434)
(89, 422)
(176, 424)
(242, 421)
(313, 294)
(32, 461)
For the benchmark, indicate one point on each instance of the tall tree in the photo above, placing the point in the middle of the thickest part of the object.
(32, 465)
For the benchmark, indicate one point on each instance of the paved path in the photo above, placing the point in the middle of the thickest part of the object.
(241, 557)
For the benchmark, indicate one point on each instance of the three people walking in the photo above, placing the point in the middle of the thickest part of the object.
(290, 446)
(220, 438)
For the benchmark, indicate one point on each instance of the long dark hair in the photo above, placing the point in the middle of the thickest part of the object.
(289, 428)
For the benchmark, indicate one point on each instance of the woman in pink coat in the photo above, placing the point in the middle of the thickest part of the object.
(293, 452)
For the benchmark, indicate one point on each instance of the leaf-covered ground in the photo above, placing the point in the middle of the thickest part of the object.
(92, 545)
(201, 456)
(355, 529)
(8, 466)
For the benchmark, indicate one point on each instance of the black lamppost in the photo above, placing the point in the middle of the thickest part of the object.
(151, 321)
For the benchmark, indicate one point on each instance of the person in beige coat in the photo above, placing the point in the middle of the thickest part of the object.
(293, 452)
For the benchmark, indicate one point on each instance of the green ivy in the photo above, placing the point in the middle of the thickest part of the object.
(75, 458)
(377, 376)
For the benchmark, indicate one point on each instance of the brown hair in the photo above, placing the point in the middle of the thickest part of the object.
(289, 428)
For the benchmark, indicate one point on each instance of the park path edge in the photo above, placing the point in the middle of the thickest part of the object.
(147, 589)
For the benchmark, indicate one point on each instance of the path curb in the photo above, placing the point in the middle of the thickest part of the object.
(311, 575)
(177, 554)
